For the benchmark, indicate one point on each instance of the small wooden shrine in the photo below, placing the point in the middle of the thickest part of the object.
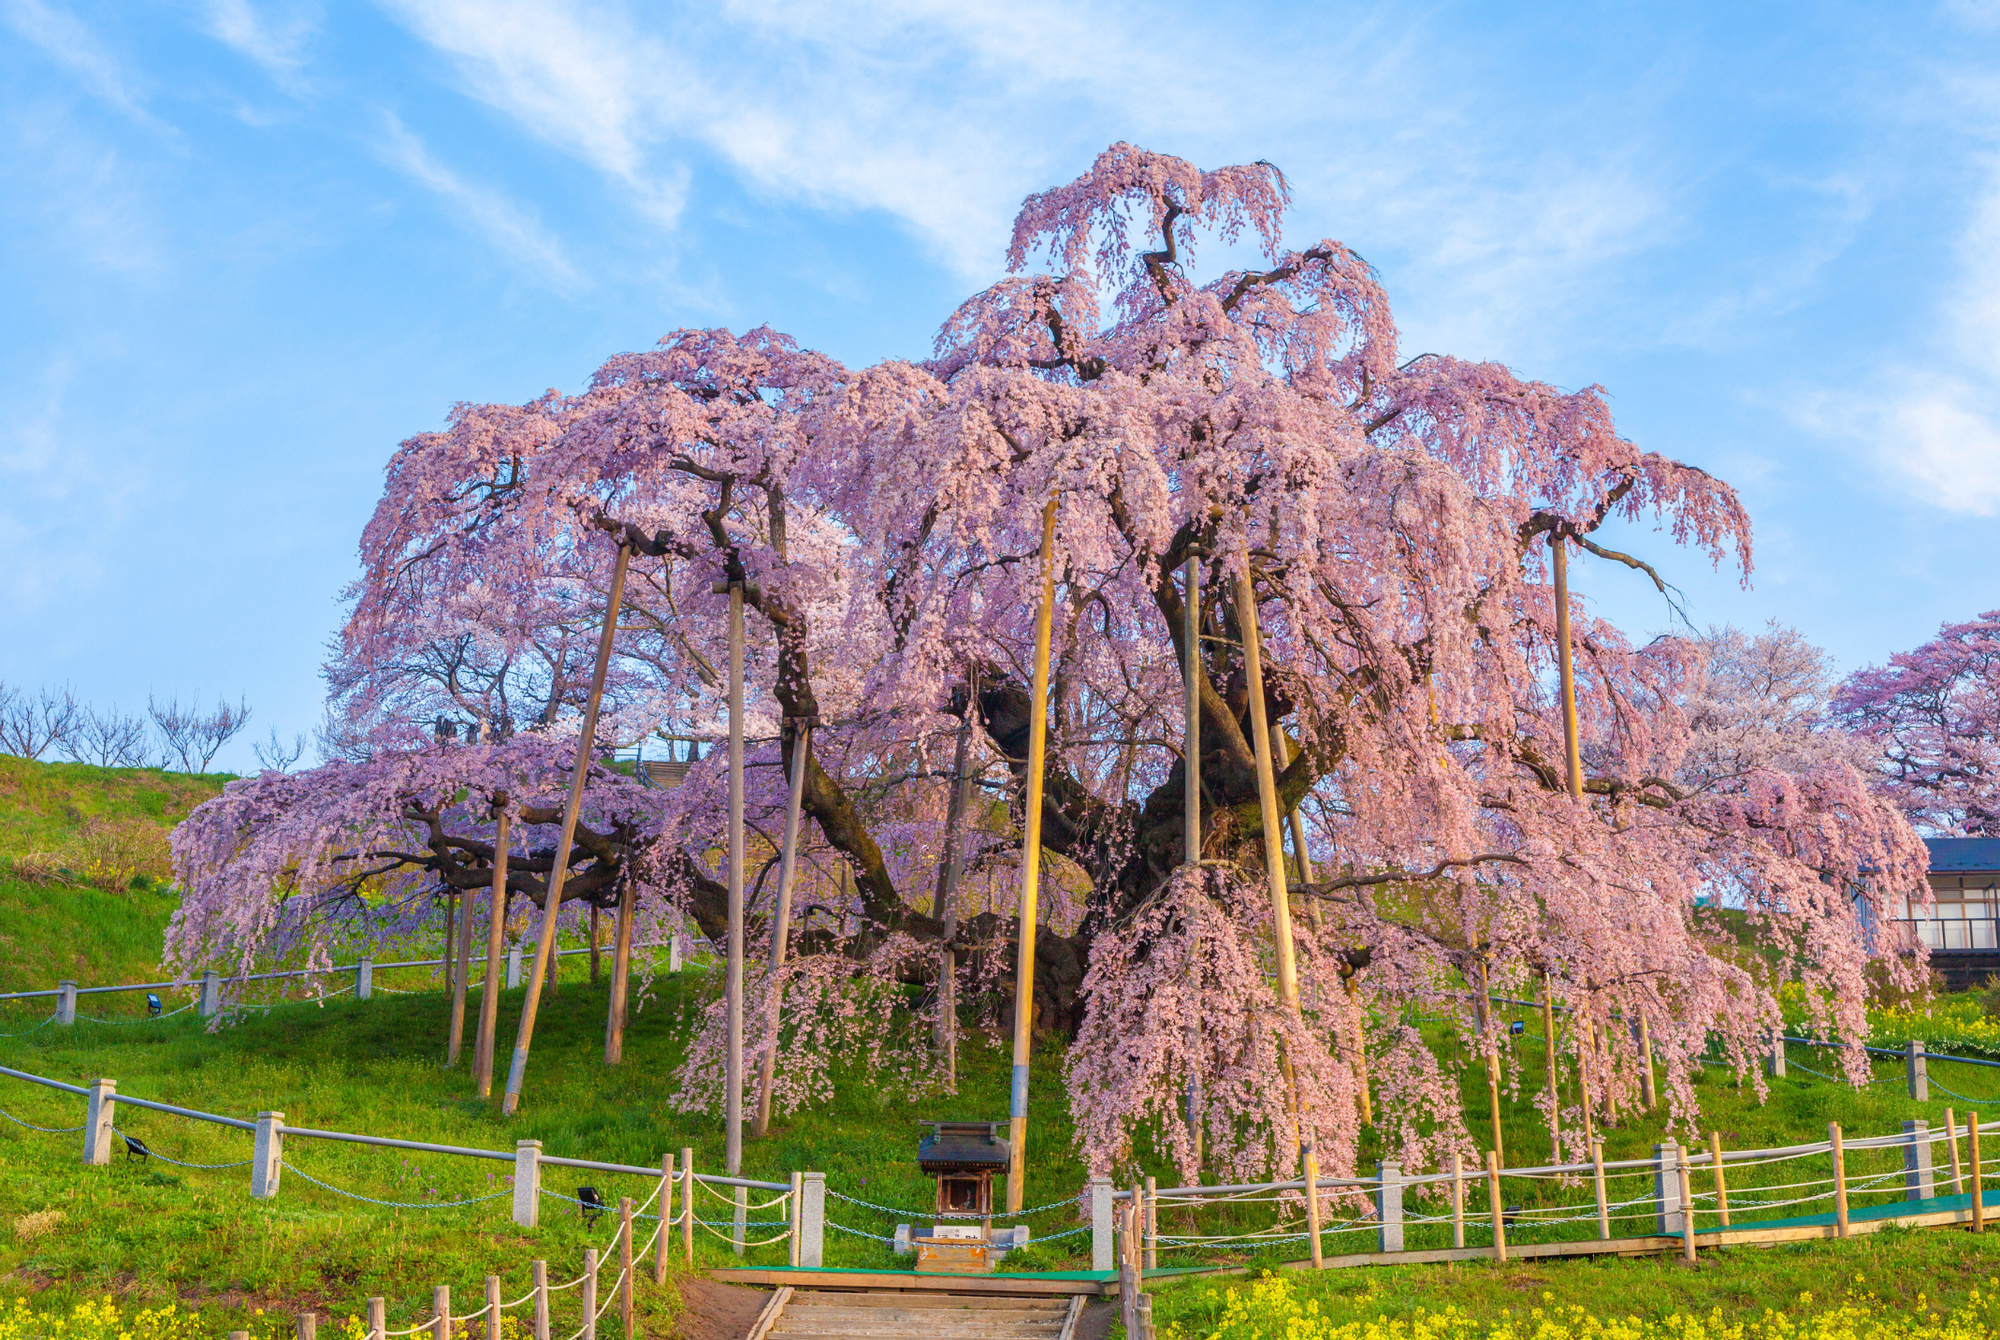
(963, 1156)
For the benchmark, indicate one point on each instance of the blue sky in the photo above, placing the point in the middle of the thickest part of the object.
(251, 244)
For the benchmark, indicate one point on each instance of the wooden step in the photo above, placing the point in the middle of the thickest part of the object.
(803, 1297)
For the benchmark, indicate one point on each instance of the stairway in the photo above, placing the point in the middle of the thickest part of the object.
(826, 1314)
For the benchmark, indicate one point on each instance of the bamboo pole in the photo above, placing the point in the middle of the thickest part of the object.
(1493, 1201)
(459, 979)
(1951, 1138)
(1566, 665)
(1457, 1199)
(621, 978)
(1274, 869)
(1721, 1187)
(1549, 1064)
(496, 936)
(1976, 1178)
(1839, 1178)
(781, 928)
(1597, 1182)
(625, 1265)
(733, 976)
(1687, 1210)
(1031, 870)
(949, 872)
(552, 905)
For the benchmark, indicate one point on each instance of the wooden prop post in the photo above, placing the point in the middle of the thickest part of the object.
(1597, 1179)
(1192, 675)
(666, 1234)
(1566, 666)
(1648, 1092)
(594, 948)
(1031, 870)
(1493, 1202)
(552, 905)
(621, 977)
(1976, 1179)
(1721, 1187)
(1957, 1171)
(949, 871)
(496, 935)
(781, 927)
(456, 1043)
(1549, 1064)
(1274, 869)
(1839, 1178)
(733, 977)
(625, 1265)
(1457, 1200)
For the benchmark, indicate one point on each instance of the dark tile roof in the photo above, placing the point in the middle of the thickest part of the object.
(1953, 856)
(962, 1146)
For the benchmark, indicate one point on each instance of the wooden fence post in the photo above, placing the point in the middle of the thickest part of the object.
(1152, 1228)
(1839, 1178)
(1957, 1169)
(492, 1307)
(625, 1263)
(1721, 1188)
(1977, 1179)
(1457, 1200)
(666, 1217)
(1687, 1215)
(1499, 1215)
(306, 1326)
(541, 1269)
(589, 1291)
(1597, 1178)
(794, 1204)
(441, 1312)
(378, 1318)
(687, 1203)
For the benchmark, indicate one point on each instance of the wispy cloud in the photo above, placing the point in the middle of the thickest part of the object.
(275, 37)
(63, 38)
(509, 227)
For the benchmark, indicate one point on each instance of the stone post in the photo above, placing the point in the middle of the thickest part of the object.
(97, 1122)
(1917, 1181)
(364, 979)
(812, 1220)
(514, 966)
(211, 995)
(1667, 1188)
(1774, 1064)
(528, 1183)
(1914, 1069)
(1389, 1208)
(1102, 1255)
(65, 1003)
(268, 1160)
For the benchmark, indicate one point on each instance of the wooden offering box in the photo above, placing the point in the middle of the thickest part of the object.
(955, 1249)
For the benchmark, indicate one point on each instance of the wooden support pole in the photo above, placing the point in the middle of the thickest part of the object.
(1493, 1201)
(496, 935)
(1597, 1182)
(1839, 1179)
(781, 929)
(1566, 667)
(625, 1265)
(687, 1204)
(1957, 1170)
(594, 948)
(552, 906)
(541, 1269)
(1152, 1229)
(378, 1318)
(660, 1243)
(1721, 1187)
(448, 954)
(945, 1034)
(1549, 1065)
(1031, 873)
(621, 978)
(733, 975)
(1274, 870)
(1687, 1208)
(1976, 1178)
(1649, 1093)
(1586, 1048)
(1193, 674)
(1457, 1200)
(441, 1312)
(492, 1307)
(459, 981)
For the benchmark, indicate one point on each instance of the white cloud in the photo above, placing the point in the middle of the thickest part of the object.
(65, 40)
(509, 227)
(275, 38)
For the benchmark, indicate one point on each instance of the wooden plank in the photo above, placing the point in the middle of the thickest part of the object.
(938, 1304)
(772, 1311)
(1069, 1322)
(907, 1308)
(874, 1280)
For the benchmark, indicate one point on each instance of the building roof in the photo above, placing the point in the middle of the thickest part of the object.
(1955, 856)
(962, 1146)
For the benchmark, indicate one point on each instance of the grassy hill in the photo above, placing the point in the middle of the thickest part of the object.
(147, 1233)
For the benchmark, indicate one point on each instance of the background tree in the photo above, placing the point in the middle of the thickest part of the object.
(1933, 717)
(33, 723)
(109, 739)
(192, 736)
